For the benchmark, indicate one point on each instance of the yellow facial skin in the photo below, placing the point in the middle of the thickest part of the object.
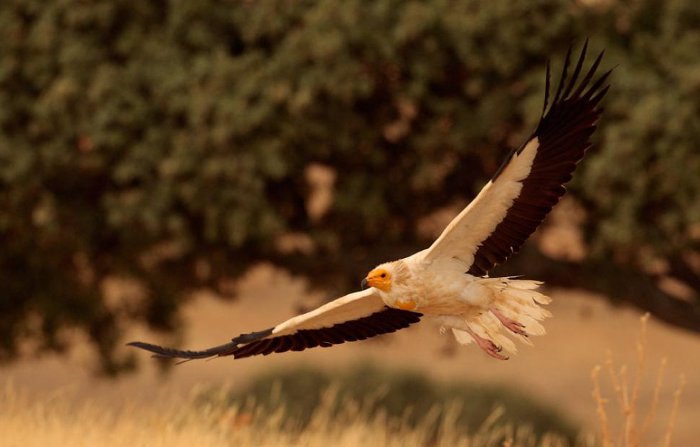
(379, 278)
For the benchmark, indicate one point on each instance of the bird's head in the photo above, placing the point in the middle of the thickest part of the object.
(385, 276)
(380, 278)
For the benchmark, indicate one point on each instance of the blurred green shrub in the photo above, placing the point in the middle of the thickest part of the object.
(169, 142)
(402, 397)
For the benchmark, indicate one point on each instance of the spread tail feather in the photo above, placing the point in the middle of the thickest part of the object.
(515, 307)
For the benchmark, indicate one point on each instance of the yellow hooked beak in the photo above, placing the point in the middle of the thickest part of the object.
(378, 278)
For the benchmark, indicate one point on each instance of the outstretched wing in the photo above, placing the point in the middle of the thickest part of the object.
(356, 316)
(531, 180)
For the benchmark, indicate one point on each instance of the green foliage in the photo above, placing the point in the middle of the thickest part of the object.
(168, 142)
(402, 397)
(641, 188)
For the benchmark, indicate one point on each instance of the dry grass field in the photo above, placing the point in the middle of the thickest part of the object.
(56, 401)
(182, 422)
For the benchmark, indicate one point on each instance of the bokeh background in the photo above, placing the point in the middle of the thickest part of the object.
(188, 171)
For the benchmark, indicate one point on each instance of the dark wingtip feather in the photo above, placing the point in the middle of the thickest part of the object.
(576, 91)
(162, 352)
(577, 70)
(596, 99)
(591, 72)
(547, 81)
(596, 88)
(217, 351)
(564, 72)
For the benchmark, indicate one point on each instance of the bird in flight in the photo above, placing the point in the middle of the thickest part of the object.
(448, 281)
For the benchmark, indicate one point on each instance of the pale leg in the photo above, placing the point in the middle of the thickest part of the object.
(487, 345)
(512, 325)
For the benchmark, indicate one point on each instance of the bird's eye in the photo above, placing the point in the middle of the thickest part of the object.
(383, 275)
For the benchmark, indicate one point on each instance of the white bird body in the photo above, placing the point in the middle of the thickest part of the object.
(438, 288)
(469, 305)
(449, 280)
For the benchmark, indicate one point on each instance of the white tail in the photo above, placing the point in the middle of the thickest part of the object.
(515, 304)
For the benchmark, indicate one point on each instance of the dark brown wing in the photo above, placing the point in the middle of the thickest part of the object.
(564, 133)
(356, 316)
(382, 322)
(531, 180)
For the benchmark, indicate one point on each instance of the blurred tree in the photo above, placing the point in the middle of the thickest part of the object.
(174, 144)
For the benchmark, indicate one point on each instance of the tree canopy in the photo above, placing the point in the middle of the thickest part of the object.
(176, 144)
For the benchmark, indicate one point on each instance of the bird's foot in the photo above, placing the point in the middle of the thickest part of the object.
(488, 346)
(512, 325)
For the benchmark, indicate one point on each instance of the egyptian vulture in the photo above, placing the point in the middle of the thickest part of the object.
(448, 280)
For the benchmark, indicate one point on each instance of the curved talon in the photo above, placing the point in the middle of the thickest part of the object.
(494, 351)
(488, 346)
(515, 327)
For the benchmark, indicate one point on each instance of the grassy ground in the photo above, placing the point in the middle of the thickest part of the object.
(60, 421)
(402, 398)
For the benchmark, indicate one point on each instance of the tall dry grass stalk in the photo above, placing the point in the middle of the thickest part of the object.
(59, 420)
(632, 433)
